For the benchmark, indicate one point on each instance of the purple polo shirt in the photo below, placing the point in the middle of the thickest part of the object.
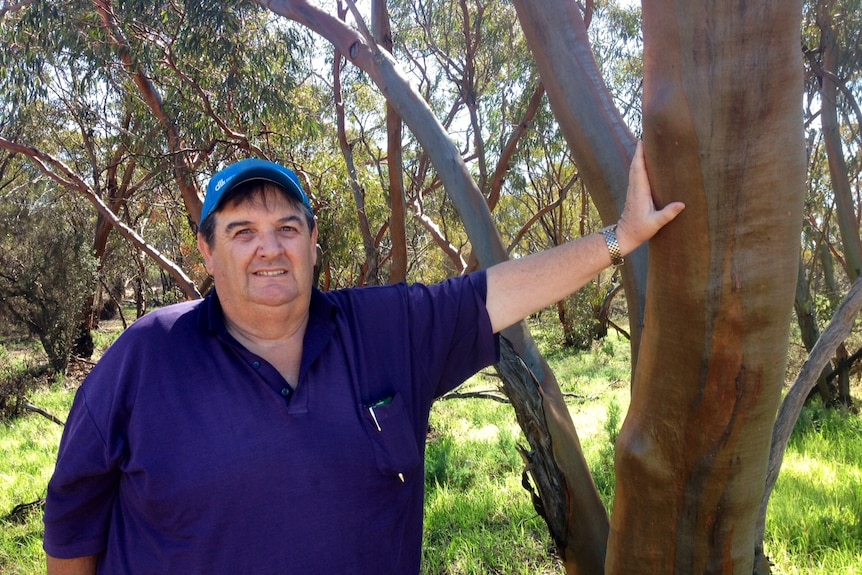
(186, 453)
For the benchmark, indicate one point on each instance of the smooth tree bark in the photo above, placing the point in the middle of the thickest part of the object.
(723, 133)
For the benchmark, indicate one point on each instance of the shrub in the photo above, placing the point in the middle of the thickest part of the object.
(46, 274)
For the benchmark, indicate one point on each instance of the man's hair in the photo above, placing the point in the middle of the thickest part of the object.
(253, 191)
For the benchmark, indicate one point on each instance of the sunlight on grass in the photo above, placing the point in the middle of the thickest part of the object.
(28, 445)
(479, 517)
(814, 523)
(475, 505)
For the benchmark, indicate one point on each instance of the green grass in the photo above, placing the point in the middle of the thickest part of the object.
(814, 524)
(475, 505)
(28, 449)
(479, 518)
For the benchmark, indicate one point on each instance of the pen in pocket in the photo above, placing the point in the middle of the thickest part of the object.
(381, 403)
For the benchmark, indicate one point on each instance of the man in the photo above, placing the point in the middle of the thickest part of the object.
(273, 428)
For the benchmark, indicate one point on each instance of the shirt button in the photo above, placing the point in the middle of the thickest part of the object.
(255, 364)
(285, 391)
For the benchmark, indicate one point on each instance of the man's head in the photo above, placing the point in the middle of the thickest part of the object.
(243, 181)
(258, 239)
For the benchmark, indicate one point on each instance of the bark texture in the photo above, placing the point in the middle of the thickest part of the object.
(723, 133)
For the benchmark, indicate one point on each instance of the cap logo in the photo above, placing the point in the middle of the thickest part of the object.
(219, 185)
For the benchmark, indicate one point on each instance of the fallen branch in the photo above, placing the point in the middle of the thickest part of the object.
(19, 512)
(40, 411)
(483, 394)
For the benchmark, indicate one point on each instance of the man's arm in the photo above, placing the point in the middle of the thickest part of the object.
(77, 566)
(518, 288)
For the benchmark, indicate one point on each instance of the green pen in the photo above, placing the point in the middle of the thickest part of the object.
(381, 403)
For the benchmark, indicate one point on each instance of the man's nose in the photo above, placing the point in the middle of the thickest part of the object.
(269, 244)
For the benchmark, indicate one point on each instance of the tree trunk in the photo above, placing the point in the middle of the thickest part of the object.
(808, 328)
(372, 254)
(841, 188)
(582, 539)
(394, 161)
(691, 456)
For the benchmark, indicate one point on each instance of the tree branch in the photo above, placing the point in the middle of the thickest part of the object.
(60, 173)
(834, 334)
(40, 411)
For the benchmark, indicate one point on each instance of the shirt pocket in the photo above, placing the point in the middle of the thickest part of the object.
(391, 431)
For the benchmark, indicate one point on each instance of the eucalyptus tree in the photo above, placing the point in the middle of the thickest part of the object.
(832, 57)
(711, 297)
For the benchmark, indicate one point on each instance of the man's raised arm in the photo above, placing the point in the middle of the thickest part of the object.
(518, 288)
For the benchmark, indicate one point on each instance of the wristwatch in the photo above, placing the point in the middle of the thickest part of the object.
(610, 234)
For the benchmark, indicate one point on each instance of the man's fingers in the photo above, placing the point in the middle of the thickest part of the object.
(669, 213)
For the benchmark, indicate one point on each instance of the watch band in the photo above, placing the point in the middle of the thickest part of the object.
(610, 234)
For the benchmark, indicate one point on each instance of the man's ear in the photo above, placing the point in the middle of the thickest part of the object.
(206, 251)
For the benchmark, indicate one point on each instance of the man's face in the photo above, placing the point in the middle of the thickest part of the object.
(262, 254)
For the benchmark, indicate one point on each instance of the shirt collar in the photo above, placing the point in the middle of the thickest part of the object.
(318, 332)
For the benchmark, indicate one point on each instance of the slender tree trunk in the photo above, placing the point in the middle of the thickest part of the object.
(372, 254)
(394, 161)
(595, 131)
(844, 203)
(808, 328)
(691, 456)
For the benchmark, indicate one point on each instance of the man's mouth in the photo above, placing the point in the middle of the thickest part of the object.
(270, 273)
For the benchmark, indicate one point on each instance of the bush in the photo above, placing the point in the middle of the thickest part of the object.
(581, 316)
(47, 272)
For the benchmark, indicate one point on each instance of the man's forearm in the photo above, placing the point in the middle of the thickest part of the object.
(77, 566)
(521, 287)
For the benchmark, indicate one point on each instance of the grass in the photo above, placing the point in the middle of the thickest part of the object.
(28, 448)
(814, 525)
(479, 518)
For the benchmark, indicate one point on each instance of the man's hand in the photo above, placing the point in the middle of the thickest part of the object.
(518, 288)
(640, 220)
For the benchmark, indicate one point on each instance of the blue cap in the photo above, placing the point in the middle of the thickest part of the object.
(247, 170)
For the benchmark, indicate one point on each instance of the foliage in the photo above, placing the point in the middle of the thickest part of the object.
(46, 274)
(580, 317)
